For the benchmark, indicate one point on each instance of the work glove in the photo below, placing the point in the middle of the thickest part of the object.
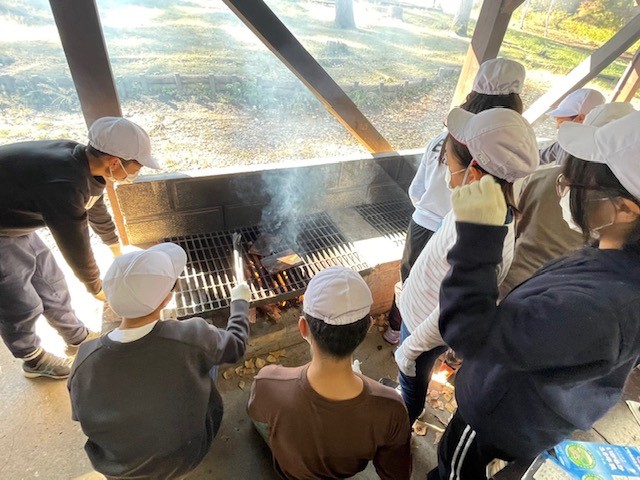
(480, 202)
(100, 296)
(241, 292)
(116, 251)
(405, 365)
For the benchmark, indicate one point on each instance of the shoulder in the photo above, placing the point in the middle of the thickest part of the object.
(193, 331)
(278, 373)
(86, 351)
(384, 395)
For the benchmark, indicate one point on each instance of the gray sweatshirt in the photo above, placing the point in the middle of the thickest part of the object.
(146, 406)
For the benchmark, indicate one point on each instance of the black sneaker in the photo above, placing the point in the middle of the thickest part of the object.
(49, 366)
(72, 349)
(387, 382)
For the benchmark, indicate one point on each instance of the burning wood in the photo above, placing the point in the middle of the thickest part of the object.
(281, 261)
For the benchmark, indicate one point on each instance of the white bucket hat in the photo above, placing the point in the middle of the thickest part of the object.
(616, 144)
(603, 114)
(500, 140)
(499, 76)
(579, 102)
(337, 296)
(122, 138)
(137, 282)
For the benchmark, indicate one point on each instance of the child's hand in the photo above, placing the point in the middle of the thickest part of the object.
(480, 202)
(241, 292)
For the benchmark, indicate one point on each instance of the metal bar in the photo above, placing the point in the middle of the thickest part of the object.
(588, 69)
(485, 44)
(80, 32)
(256, 15)
(629, 82)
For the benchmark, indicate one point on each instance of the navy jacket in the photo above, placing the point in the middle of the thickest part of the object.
(48, 184)
(553, 357)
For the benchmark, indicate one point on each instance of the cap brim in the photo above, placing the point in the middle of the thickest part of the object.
(457, 120)
(150, 162)
(579, 140)
(176, 253)
(561, 112)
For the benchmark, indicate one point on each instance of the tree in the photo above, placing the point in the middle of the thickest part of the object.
(525, 10)
(461, 20)
(548, 19)
(344, 14)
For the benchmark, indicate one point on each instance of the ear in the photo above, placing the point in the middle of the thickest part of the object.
(628, 211)
(303, 326)
(111, 161)
(475, 173)
(579, 118)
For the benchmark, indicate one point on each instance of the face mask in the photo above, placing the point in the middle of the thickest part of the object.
(448, 175)
(565, 204)
(125, 181)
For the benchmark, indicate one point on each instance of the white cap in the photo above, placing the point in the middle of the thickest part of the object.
(616, 144)
(122, 138)
(337, 296)
(499, 77)
(579, 102)
(138, 282)
(603, 114)
(500, 140)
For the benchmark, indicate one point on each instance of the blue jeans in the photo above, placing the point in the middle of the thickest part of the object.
(32, 284)
(414, 389)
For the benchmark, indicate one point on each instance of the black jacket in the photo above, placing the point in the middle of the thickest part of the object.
(48, 184)
(553, 357)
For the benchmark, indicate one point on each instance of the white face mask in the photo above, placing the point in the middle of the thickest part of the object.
(565, 204)
(448, 174)
(125, 181)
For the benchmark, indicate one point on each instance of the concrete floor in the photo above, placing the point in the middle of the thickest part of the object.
(38, 439)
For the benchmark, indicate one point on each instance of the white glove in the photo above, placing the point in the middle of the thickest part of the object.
(406, 366)
(480, 202)
(241, 292)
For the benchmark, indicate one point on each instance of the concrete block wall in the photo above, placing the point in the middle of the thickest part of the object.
(159, 206)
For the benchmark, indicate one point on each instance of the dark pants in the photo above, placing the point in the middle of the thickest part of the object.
(461, 452)
(32, 284)
(417, 238)
(414, 389)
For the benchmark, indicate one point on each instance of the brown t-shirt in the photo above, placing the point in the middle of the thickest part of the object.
(312, 437)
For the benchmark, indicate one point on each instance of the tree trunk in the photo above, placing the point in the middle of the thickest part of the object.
(461, 20)
(548, 19)
(525, 10)
(344, 14)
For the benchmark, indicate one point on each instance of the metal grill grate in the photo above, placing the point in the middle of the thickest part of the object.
(208, 278)
(391, 218)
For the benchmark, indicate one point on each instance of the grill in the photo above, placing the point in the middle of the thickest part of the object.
(206, 283)
(391, 218)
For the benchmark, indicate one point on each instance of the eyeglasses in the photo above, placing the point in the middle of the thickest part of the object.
(564, 186)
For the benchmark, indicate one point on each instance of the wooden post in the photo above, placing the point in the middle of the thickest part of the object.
(86, 53)
(588, 69)
(485, 44)
(629, 82)
(256, 15)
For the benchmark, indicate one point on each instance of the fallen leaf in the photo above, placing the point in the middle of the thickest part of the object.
(381, 328)
(239, 371)
(440, 405)
(419, 428)
(271, 359)
(249, 363)
(438, 437)
(249, 371)
(241, 384)
(252, 315)
(260, 362)
(228, 373)
(279, 353)
(450, 408)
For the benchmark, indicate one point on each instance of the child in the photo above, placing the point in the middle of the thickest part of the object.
(143, 394)
(322, 420)
(497, 142)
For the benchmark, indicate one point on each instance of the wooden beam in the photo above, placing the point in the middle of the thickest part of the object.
(486, 42)
(256, 15)
(80, 31)
(587, 70)
(629, 82)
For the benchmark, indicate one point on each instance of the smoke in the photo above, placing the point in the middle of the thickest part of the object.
(294, 194)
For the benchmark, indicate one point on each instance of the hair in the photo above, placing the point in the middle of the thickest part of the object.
(338, 341)
(95, 152)
(465, 157)
(582, 172)
(479, 102)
